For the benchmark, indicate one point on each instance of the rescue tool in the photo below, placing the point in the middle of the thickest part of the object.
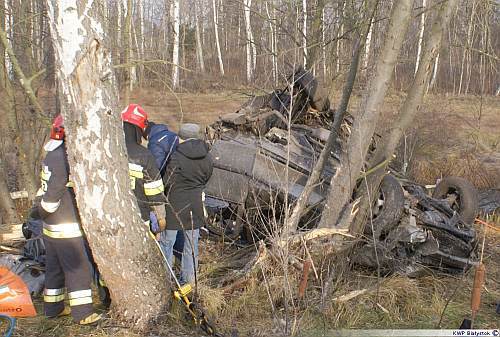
(181, 293)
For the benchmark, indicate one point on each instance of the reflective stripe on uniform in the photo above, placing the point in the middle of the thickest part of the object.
(53, 295)
(62, 231)
(80, 297)
(45, 174)
(50, 207)
(135, 170)
(53, 292)
(154, 187)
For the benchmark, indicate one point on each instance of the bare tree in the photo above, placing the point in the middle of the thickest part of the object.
(421, 34)
(407, 113)
(216, 28)
(127, 37)
(176, 22)
(249, 42)
(127, 257)
(344, 180)
(199, 42)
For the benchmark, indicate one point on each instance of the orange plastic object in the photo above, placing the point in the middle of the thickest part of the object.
(15, 299)
(477, 288)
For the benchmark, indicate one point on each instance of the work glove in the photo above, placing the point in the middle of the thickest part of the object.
(162, 223)
(154, 226)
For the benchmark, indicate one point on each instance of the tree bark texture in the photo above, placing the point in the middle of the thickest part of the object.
(127, 257)
(344, 180)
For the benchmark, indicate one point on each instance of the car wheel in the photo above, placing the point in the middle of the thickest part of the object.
(388, 208)
(462, 195)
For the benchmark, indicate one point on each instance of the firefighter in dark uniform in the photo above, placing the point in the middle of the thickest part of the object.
(67, 264)
(145, 177)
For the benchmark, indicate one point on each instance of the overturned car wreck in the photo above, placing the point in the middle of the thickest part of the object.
(263, 155)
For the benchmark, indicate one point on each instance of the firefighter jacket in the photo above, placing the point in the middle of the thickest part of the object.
(145, 178)
(58, 199)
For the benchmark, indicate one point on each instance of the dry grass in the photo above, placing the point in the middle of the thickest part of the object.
(448, 136)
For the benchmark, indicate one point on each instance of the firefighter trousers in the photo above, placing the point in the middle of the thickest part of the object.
(67, 265)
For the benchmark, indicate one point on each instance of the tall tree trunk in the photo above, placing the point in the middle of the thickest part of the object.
(466, 51)
(217, 43)
(175, 50)
(434, 73)
(317, 171)
(304, 31)
(8, 213)
(421, 34)
(368, 45)
(274, 57)
(340, 33)
(27, 150)
(249, 40)
(142, 38)
(199, 46)
(315, 36)
(406, 115)
(126, 50)
(323, 42)
(344, 180)
(127, 257)
(3, 73)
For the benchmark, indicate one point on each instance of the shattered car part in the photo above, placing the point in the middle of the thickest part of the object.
(264, 153)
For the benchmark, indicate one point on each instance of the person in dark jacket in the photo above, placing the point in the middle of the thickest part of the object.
(187, 174)
(145, 178)
(162, 143)
(67, 264)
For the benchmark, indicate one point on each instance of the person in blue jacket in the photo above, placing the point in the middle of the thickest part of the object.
(162, 143)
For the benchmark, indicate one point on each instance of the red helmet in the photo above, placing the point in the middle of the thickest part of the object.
(135, 114)
(57, 129)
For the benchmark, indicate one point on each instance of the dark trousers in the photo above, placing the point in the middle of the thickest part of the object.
(67, 265)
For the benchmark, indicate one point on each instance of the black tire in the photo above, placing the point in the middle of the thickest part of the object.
(467, 202)
(390, 212)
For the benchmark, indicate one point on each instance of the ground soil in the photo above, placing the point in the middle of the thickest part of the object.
(457, 135)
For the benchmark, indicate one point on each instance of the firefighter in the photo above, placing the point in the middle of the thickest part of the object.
(162, 143)
(145, 177)
(67, 264)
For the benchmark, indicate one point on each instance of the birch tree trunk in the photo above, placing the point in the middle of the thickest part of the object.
(199, 46)
(274, 56)
(126, 49)
(368, 45)
(344, 180)
(406, 115)
(217, 43)
(175, 50)
(421, 34)
(434, 73)
(249, 40)
(127, 257)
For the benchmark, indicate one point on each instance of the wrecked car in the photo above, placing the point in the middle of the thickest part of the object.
(263, 155)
